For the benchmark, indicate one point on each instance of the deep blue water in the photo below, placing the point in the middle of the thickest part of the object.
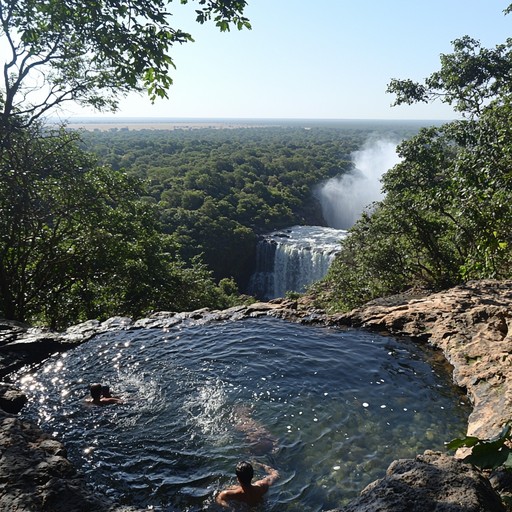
(331, 410)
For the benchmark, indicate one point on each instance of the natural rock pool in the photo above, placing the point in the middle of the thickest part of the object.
(330, 409)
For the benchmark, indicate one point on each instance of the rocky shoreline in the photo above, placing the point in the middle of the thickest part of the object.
(471, 324)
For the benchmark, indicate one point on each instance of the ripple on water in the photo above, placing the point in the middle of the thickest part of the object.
(329, 409)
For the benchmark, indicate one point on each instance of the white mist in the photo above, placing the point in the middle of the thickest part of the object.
(343, 199)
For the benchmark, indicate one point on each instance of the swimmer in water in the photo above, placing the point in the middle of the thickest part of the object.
(247, 492)
(261, 440)
(105, 392)
(98, 399)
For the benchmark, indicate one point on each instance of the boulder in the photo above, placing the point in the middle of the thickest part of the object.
(432, 482)
(12, 399)
(36, 475)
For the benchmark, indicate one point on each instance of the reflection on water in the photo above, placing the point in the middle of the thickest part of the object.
(329, 409)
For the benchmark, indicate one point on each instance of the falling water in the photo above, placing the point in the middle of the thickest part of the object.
(344, 198)
(292, 259)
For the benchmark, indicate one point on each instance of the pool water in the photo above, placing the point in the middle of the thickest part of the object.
(329, 409)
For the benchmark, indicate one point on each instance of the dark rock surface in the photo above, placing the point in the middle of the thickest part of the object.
(35, 474)
(432, 482)
(12, 399)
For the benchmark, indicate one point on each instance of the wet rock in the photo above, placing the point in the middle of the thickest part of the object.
(313, 319)
(83, 330)
(501, 482)
(160, 314)
(29, 348)
(226, 314)
(10, 330)
(195, 315)
(12, 399)
(261, 307)
(115, 323)
(284, 303)
(290, 315)
(36, 475)
(430, 482)
(162, 322)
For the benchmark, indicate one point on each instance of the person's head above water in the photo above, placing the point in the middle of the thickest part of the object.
(100, 396)
(244, 472)
(96, 391)
(247, 492)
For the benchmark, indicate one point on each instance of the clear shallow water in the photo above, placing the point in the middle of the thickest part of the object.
(331, 410)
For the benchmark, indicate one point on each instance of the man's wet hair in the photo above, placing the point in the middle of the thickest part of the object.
(244, 472)
(96, 391)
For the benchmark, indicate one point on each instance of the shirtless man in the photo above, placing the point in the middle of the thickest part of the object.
(246, 492)
(97, 399)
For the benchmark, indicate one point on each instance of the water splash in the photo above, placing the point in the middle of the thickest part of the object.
(205, 410)
(344, 198)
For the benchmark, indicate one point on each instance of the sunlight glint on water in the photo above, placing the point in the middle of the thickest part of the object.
(329, 409)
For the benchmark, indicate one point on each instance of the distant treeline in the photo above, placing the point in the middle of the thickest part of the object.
(215, 189)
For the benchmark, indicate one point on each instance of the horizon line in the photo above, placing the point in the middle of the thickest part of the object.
(176, 119)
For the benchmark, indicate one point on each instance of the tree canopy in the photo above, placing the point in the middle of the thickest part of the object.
(76, 241)
(470, 78)
(91, 52)
(447, 214)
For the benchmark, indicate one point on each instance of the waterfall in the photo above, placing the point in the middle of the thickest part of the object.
(290, 260)
(261, 282)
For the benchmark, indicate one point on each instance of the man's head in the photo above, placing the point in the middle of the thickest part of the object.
(244, 472)
(96, 391)
(105, 391)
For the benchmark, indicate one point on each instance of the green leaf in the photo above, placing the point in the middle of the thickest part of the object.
(454, 444)
(487, 456)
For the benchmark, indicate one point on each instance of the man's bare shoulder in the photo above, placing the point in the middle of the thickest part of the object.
(111, 400)
(230, 494)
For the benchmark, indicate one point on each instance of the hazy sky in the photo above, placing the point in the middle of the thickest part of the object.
(321, 59)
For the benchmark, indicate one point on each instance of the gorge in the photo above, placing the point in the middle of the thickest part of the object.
(293, 258)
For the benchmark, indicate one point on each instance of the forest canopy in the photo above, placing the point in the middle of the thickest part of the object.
(76, 241)
(215, 190)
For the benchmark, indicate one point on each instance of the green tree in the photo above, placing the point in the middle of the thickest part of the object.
(76, 243)
(470, 78)
(447, 213)
(91, 52)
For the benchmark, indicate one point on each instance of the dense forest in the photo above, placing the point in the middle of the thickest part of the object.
(215, 189)
(76, 241)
